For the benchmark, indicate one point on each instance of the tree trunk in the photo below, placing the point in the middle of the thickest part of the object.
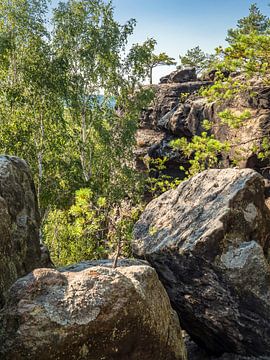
(151, 75)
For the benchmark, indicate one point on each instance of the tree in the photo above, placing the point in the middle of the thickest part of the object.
(255, 22)
(159, 60)
(248, 54)
(142, 59)
(197, 58)
(29, 103)
(91, 61)
(90, 46)
(53, 115)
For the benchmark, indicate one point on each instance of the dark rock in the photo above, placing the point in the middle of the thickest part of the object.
(90, 311)
(186, 119)
(183, 75)
(19, 228)
(167, 98)
(209, 242)
(46, 261)
(212, 74)
(178, 111)
(165, 120)
(194, 352)
(164, 79)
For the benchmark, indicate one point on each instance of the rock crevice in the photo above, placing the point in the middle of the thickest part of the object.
(209, 248)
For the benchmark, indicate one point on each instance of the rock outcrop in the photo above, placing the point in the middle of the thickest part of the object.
(19, 227)
(90, 311)
(165, 120)
(178, 110)
(209, 241)
(180, 76)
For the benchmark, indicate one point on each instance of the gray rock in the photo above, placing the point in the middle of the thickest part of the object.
(90, 311)
(183, 75)
(19, 227)
(167, 98)
(165, 120)
(209, 242)
(164, 79)
(172, 114)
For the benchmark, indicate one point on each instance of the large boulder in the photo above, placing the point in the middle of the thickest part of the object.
(90, 311)
(182, 75)
(209, 242)
(19, 226)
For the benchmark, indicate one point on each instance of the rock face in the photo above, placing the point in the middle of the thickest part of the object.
(90, 311)
(183, 75)
(178, 111)
(166, 119)
(194, 352)
(19, 227)
(180, 76)
(209, 242)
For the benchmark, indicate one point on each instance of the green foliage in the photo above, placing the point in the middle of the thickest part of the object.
(248, 49)
(264, 149)
(79, 232)
(89, 229)
(203, 151)
(197, 58)
(223, 89)
(160, 183)
(52, 115)
(183, 97)
(30, 107)
(234, 121)
(254, 22)
(143, 60)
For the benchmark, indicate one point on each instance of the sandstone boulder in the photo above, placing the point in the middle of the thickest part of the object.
(209, 242)
(19, 227)
(90, 311)
(182, 75)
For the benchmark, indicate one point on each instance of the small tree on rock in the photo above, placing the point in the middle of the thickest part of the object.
(197, 58)
(254, 22)
(143, 60)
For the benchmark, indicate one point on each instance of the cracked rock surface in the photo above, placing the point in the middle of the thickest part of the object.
(19, 226)
(209, 242)
(90, 311)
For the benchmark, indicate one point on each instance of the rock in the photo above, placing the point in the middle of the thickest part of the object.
(19, 227)
(211, 75)
(164, 79)
(165, 120)
(46, 260)
(209, 242)
(194, 352)
(167, 98)
(90, 311)
(182, 75)
(185, 119)
(178, 111)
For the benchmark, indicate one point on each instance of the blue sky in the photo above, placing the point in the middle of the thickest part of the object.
(178, 25)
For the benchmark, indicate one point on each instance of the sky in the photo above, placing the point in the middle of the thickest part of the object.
(179, 25)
